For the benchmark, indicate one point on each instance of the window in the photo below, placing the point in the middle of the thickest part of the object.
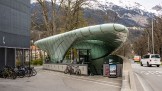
(155, 56)
(143, 57)
(146, 56)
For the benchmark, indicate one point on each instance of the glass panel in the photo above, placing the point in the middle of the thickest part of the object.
(155, 56)
(147, 56)
(95, 29)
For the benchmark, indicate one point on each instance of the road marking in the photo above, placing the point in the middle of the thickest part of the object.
(160, 72)
(156, 73)
(145, 85)
(146, 73)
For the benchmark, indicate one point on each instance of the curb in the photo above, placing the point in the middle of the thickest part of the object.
(128, 80)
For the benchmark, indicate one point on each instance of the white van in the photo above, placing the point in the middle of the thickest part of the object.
(151, 59)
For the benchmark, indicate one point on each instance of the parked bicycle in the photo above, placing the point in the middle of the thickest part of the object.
(69, 69)
(28, 71)
(77, 70)
(20, 71)
(9, 72)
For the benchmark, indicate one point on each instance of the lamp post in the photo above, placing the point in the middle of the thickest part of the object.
(152, 37)
(148, 43)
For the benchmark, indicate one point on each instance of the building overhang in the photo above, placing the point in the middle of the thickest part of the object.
(101, 39)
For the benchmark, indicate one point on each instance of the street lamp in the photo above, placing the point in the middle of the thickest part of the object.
(153, 37)
(148, 42)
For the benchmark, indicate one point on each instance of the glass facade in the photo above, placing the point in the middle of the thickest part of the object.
(100, 40)
(15, 23)
(14, 30)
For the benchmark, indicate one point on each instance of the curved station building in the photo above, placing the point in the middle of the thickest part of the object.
(88, 45)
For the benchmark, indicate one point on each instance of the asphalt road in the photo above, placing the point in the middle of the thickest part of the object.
(148, 78)
(56, 81)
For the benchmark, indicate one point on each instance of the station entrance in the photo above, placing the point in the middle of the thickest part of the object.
(84, 56)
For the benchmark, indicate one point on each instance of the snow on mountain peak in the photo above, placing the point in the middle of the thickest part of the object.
(127, 4)
(122, 3)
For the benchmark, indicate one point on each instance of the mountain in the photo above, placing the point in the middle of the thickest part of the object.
(126, 12)
(158, 9)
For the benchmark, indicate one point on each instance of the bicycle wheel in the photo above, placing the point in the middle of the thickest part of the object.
(34, 72)
(21, 73)
(78, 72)
(28, 73)
(14, 75)
(66, 71)
(4, 74)
(71, 71)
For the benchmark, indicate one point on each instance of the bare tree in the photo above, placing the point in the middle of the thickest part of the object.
(61, 15)
(73, 14)
(142, 43)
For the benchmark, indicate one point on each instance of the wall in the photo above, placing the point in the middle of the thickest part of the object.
(2, 58)
(14, 29)
(15, 23)
(62, 67)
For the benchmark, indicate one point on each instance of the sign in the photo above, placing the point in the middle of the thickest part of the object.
(113, 70)
(106, 70)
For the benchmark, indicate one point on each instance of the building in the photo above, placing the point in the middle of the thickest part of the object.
(36, 53)
(88, 45)
(14, 31)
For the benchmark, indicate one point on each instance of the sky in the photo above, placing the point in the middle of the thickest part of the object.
(146, 3)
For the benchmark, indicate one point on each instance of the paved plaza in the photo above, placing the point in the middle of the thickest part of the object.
(56, 81)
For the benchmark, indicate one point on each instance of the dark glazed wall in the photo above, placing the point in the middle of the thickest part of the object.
(2, 58)
(10, 57)
(15, 23)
